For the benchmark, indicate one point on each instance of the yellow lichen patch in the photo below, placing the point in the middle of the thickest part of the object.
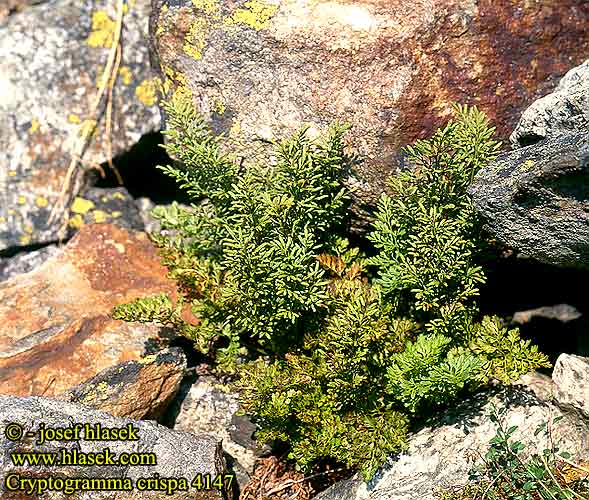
(528, 164)
(235, 127)
(146, 91)
(208, 6)
(256, 14)
(34, 126)
(41, 202)
(99, 216)
(24, 239)
(2, 220)
(103, 29)
(147, 359)
(81, 205)
(76, 221)
(73, 118)
(182, 94)
(28, 228)
(12, 173)
(87, 128)
(218, 105)
(21, 200)
(118, 196)
(116, 214)
(194, 42)
(126, 75)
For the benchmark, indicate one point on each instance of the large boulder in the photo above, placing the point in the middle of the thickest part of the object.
(536, 199)
(56, 325)
(571, 380)
(52, 56)
(178, 455)
(262, 68)
(441, 455)
(563, 111)
(139, 389)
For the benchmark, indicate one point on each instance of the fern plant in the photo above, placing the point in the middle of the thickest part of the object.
(263, 265)
(245, 254)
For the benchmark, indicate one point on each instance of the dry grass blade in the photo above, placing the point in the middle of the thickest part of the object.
(81, 144)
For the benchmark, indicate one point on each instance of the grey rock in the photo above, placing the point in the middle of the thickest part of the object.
(441, 455)
(541, 385)
(25, 262)
(178, 454)
(51, 58)
(111, 205)
(565, 110)
(561, 312)
(208, 408)
(536, 200)
(9, 7)
(139, 389)
(571, 380)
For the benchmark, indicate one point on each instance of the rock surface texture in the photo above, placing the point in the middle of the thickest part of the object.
(25, 262)
(52, 57)
(110, 205)
(536, 199)
(56, 326)
(441, 456)
(178, 454)
(563, 111)
(263, 68)
(571, 380)
(206, 408)
(139, 389)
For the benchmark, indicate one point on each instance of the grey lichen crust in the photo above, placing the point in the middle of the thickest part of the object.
(52, 57)
(536, 200)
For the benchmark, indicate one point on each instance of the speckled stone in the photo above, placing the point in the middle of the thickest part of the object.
(51, 59)
(565, 110)
(260, 69)
(139, 389)
(536, 199)
(178, 454)
(441, 455)
(57, 330)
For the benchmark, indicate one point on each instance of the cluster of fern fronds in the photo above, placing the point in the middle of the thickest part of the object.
(335, 352)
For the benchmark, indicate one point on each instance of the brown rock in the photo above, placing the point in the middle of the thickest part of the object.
(134, 389)
(56, 329)
(391, 68)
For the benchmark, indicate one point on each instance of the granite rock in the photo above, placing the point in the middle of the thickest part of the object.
(571, 381)
(24, 262)
(52, 56)
(441, 455)
(536, 200)
(260, 69)
(565, 110)
(138, 389)
(178, 454)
